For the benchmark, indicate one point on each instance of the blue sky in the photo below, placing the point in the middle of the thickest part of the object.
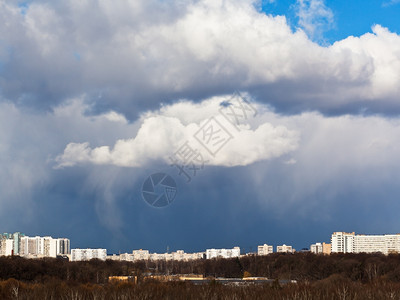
(95, 96)
(349, 17)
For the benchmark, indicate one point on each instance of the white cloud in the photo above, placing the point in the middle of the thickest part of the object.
(162, 133)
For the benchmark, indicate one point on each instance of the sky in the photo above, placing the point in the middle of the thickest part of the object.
(277, 121)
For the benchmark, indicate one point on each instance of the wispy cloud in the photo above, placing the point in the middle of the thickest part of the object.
(314, 17)
(390, 3)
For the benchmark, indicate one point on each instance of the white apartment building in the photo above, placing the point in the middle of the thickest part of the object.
(88, 254)
(182, 256)
(343, 242)
(146, 255)
(44, 246)
(141, 254)
(285, 249)
(369, 243)
(316, 248)
(6, 247)
(392, 243)
(265, 249)
(222, 253)
(63, 246)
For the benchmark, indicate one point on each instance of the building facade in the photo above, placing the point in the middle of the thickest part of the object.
(285, 249)
(326, 248)
(316, 248)
(44, 246)
(10, 243)
(265, 249)
(222, 253)
(88, 254)
(343, 242)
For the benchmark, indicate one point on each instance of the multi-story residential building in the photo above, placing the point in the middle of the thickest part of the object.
(285, 249)
(88, 254)
(44, 246)
(146, 255)
(223, 253)
(369, 243)
(16, 243)
(392, 243)
(141, 254)
(63, 246)
(316, 248)
(326, 248)
(181, 255)
(6, 247)
(343, 242)
(265, 249)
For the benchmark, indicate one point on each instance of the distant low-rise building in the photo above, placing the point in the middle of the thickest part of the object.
(265, 249)
(88, 254)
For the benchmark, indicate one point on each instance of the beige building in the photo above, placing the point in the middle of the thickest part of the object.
(285, 249)
(326, 248)
(265, 249)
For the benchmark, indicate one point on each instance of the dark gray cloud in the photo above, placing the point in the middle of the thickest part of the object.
(343, 166)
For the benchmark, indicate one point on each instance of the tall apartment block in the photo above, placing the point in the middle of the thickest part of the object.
(19, 244)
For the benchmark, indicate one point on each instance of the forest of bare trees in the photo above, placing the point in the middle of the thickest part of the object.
(338, 276)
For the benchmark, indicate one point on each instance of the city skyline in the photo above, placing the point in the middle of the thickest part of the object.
(340, 242)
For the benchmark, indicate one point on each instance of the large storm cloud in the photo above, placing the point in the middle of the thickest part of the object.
(95, 96)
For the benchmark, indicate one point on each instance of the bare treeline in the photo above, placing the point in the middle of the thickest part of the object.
(330, 288)
(338, 276)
